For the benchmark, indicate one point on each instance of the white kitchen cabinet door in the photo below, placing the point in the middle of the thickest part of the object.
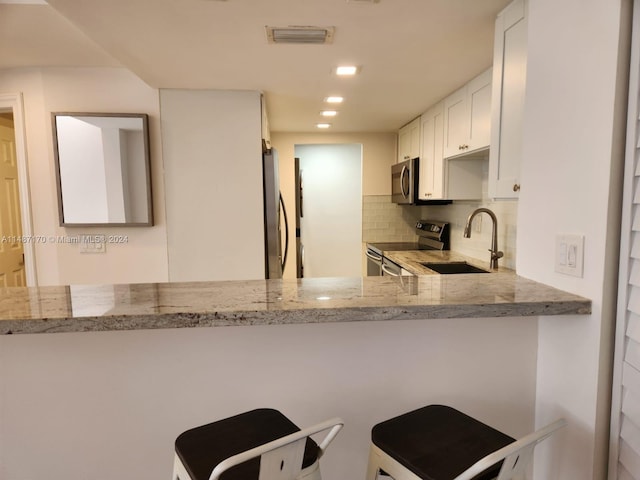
(509, 81)
(456, 122)
(431, 179)
(467, 117)
(479, 102)
(409, 141)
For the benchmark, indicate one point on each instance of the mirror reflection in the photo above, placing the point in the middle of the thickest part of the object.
(102, 165)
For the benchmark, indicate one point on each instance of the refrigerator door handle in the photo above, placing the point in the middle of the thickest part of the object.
(300, 190)
(286, 233)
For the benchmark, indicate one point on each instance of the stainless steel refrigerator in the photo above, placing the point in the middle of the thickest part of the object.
(275, 217)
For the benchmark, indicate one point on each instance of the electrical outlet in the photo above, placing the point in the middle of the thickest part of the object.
(93, 244)
(570, 254)
(477, 224)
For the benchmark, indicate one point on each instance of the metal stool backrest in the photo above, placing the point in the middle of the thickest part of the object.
(517, 455)
(281, 459)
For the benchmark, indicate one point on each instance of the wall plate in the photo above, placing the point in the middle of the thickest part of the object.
(570, 254)
(93, 244)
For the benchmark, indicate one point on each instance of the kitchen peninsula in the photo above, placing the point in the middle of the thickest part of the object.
(265, 302)
(98, 381)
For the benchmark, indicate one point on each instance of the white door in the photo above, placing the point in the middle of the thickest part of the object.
(12, 273)
(331, 224)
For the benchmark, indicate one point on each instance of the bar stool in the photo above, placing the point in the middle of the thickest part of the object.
(262, 444)
(437, 442)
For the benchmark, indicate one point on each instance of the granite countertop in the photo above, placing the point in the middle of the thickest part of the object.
(266, 302)
(411, 260)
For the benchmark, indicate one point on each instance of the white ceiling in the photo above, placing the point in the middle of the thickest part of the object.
(412, 52)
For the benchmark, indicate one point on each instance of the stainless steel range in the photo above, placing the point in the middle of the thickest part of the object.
(432, 235)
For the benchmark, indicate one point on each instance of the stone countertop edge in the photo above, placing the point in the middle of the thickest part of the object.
(303, 316)
(279, 302)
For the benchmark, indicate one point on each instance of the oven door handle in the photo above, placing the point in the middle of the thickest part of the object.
(373, 256)
(386, 270)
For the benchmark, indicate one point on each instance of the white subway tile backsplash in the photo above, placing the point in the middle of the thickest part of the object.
(385, 221)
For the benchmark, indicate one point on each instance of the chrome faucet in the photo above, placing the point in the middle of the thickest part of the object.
(495, 254)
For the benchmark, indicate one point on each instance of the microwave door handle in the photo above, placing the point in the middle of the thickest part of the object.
(402, 176)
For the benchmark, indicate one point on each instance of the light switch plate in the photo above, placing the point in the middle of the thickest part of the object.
(93, 244)
(569, 257)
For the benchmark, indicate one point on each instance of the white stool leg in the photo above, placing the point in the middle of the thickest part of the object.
(179, 472)
(373, 466)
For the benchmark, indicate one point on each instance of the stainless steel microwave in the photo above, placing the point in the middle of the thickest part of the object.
(404, 182)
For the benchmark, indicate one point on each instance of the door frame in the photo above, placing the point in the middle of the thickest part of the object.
(13, 102)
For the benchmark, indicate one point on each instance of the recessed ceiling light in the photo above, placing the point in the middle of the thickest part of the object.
(328, 113)
(334, 99)
(323, 125)
(346, 70)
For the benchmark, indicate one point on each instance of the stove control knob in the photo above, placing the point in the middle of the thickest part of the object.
(419, 225)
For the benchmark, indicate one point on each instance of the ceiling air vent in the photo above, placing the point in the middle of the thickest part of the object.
(300, 34)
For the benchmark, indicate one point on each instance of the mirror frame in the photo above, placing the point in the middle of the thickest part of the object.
(147, 162)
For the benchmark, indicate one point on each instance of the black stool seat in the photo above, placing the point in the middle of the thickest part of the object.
(202, 448)
(438, 442)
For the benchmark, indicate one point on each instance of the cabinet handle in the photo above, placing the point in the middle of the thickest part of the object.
(463, 147)
(516, 187)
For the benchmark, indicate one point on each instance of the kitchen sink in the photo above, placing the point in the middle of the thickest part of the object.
(453, 267)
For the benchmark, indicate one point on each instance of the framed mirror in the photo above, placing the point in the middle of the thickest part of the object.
(102, 169)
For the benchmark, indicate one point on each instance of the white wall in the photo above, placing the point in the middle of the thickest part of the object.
(571, 170)
(331, 227)
(213, 177)
(143, 258)
(109, 405)
(216, 208)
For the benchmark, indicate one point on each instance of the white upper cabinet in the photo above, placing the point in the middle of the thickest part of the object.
(457, 123)
(431, 175)
(467, 117)
(409, 141)
(509, 80)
